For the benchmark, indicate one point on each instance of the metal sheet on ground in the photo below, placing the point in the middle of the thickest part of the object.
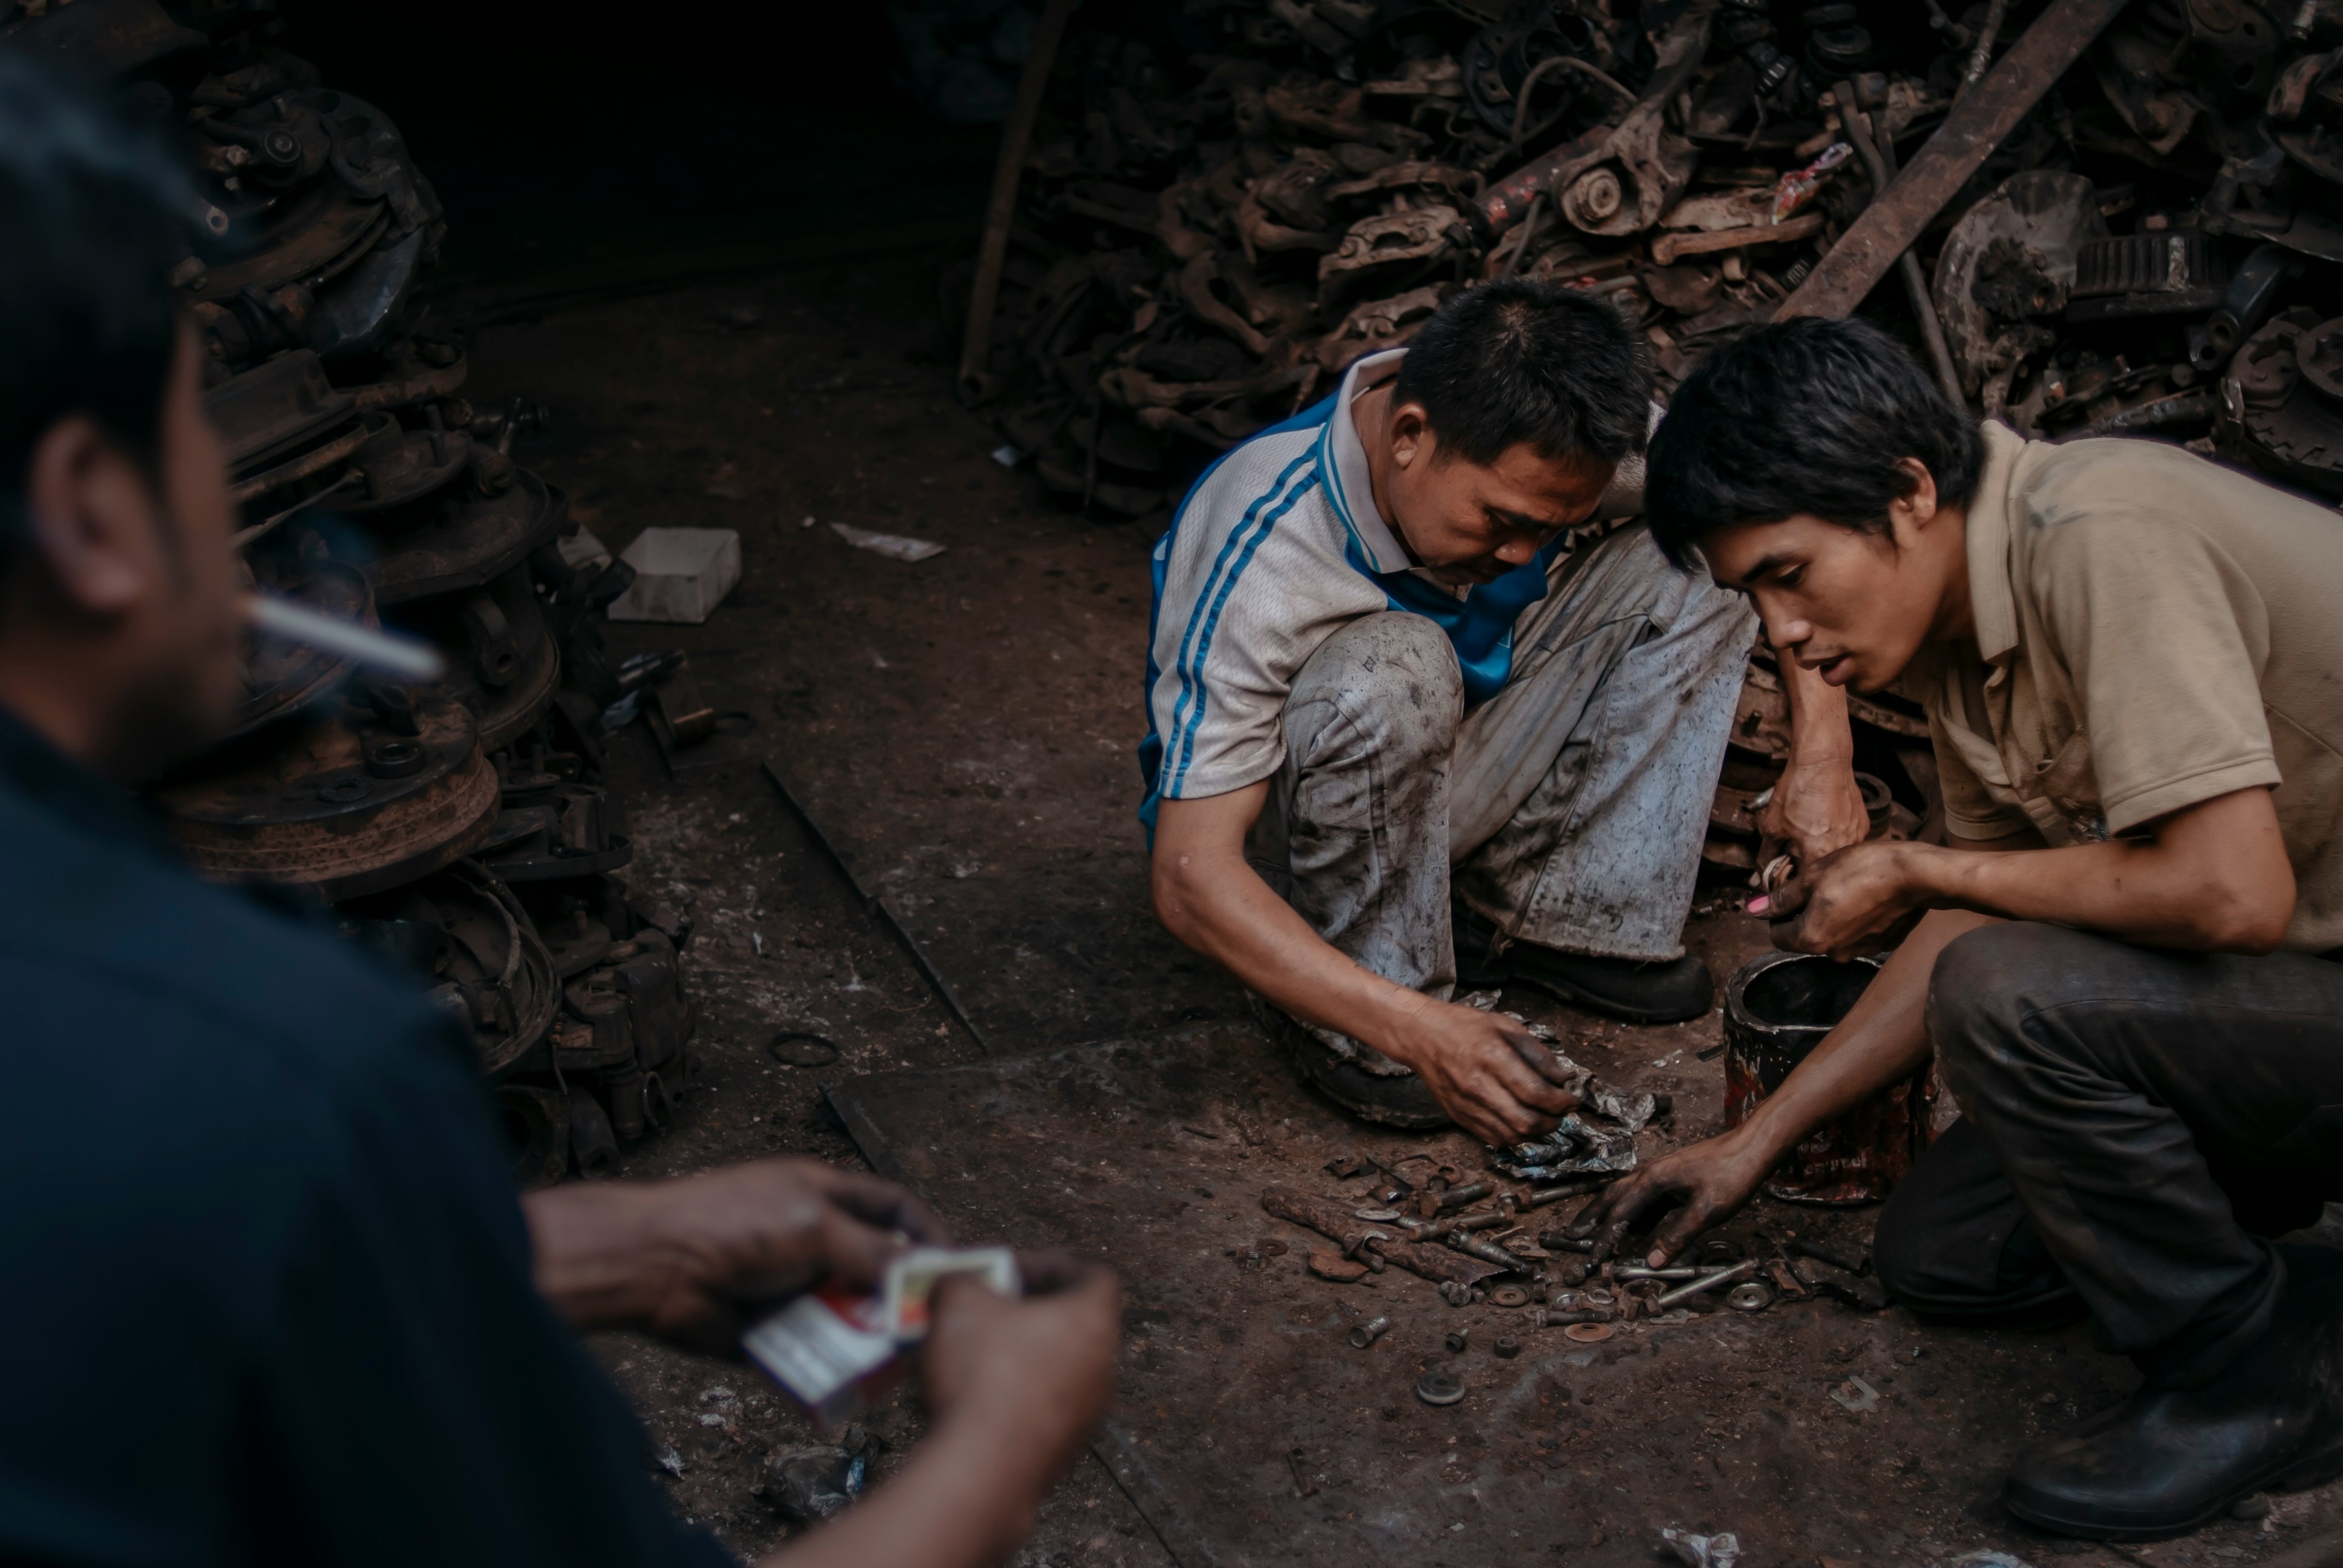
(1251, 1431)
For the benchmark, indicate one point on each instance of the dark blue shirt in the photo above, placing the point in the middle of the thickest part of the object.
(265, 1290)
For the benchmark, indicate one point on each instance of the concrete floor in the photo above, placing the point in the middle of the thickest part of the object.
(962, 727)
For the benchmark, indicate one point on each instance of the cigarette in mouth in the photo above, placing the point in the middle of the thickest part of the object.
(409, 658)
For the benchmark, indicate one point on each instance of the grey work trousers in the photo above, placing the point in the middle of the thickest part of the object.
(1568, 809)
(2137, 1125)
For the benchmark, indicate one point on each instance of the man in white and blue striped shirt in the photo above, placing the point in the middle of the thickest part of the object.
(1382, 679)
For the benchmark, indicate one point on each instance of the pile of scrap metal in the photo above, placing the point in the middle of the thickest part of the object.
(1481, 1244)
(462, 828)
(2104, 218)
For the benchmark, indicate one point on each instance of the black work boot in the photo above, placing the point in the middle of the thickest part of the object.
(1393, 1098)
(1666, 991)
(2167, 1461)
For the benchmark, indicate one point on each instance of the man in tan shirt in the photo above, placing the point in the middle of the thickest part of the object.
(2132, 661)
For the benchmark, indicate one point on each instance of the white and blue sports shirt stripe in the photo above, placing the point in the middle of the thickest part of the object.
(1275, 548)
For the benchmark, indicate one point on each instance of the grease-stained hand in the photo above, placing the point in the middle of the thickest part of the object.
(1704, 1184)
(1863, 900)
(1499, 1081)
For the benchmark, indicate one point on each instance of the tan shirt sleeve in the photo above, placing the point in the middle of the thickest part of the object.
(2164, 638)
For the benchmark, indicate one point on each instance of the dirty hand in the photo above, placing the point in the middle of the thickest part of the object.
(1863, 900)
(1817, 810)
(696, 1259)
(1706, 1184)
(1033, 1376)
(1499, 1082)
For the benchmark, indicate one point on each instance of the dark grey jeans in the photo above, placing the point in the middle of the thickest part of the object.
(2136, 1126)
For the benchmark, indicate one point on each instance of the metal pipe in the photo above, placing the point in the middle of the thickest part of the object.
(1732, 1276)
(1859, 131)
(993, 251)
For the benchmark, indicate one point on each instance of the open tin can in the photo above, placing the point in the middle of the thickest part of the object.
(1777, 1008)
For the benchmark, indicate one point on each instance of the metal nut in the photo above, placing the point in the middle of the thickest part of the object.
(1456, 1340)
(1507, 1348)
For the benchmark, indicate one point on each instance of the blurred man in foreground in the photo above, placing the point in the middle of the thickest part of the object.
(269, 1296)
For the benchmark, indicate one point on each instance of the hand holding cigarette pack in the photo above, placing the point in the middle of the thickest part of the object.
(830, 1347)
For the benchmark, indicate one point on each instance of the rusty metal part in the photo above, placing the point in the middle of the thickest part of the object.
(592, 1144)
(395, 466)
(1750, 1296)
(1457, 1340)
(328, 806)
(537, 1130)
(1487, 1251)
(1590, 1334)
(2006, 268)
(268, 411)
(1668, 249)
(458, 539)
(422, 387)
(503, 661)
(1001, 208)
(1975, 128)
(1458, 1197)
(295, 468)
(1367, 1333)
(1707, 1282)
(1876, 152)
(1509, 1296)
(1331, 1221)
(1644, 1272)
(1626, 179)
(1506, 1348)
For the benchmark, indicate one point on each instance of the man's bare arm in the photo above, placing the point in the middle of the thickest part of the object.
(1883, 1039)
(1816, 807)
(1483, 1069)
(2211, 877)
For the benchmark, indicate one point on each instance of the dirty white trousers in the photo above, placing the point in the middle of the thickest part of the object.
(1568, 809)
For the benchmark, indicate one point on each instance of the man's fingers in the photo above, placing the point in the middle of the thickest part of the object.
(855, 1251)
(1673, 1237)
(883, 1203)
(1541, 1059)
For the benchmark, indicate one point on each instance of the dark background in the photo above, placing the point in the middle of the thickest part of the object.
(649, 139)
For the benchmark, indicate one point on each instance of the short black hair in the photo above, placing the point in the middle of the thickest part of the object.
(1805, 416)
(93, 204)
(1523, 361)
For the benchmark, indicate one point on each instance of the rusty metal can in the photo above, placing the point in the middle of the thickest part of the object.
(1777, 1008)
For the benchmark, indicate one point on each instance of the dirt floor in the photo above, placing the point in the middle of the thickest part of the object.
(962, 728)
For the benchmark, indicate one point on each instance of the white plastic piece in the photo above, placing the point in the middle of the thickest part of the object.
(900, 547)
(681, 574)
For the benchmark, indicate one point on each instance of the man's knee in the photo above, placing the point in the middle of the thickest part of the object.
(1392, 678)
(1989, 982)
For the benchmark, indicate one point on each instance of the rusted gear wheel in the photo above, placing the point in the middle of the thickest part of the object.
(339, 809)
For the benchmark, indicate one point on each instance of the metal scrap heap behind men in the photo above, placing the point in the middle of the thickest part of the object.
(285, 1308)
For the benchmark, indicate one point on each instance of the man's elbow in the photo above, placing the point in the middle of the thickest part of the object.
(2249, 920)
(1174, 900)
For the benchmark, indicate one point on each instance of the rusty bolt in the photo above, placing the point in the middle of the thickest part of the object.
(1456, 1340)
(1366, 1334)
